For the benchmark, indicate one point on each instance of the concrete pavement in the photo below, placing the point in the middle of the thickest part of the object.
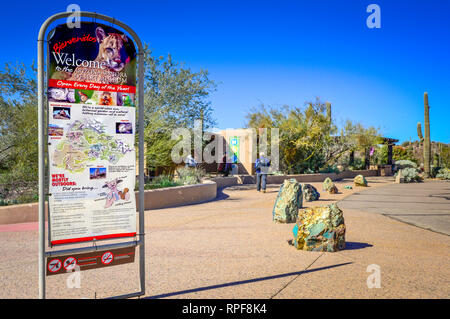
(425, 205)
(230, 248)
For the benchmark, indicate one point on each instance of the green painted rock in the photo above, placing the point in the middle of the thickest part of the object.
(348, 187)
(288, 202)
(360, 181)
(310, 193)
(320, 228)
(329, 186)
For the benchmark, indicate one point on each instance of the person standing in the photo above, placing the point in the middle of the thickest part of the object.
(262, 165)
(190, 161)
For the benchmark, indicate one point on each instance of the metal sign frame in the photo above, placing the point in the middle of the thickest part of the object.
(43, 138)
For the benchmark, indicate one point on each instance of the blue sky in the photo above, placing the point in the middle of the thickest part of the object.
(288, 52)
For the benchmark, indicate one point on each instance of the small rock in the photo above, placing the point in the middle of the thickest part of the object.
(310, 193)
(360, 181)
(329, 186)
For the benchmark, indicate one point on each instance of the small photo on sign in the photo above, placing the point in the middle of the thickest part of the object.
(61, 113)
(85, 97)
(107, 98)
(55, 130)
(124, 128)
(97, 172)
(125, 99)
(61, 95)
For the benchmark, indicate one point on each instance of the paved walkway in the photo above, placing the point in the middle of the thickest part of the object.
(230, 248)
(425, 205)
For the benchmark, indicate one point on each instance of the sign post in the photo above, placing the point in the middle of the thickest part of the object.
(89, 136)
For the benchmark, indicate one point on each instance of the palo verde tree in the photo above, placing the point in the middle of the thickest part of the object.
(18, 124)
(304, 133)
(308, 136)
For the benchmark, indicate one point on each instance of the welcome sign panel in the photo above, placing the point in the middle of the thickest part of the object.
(91, 134)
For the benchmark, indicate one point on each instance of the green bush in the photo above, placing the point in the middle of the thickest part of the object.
(190, 175)
(410, 174)
(405, 164)
(330, 169)
(162, 181)
(358, 164)
(444, 173)
(434, 171)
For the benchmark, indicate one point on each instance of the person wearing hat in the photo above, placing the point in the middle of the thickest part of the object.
(262, 165)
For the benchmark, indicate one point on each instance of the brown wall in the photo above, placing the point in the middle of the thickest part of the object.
(179, 195)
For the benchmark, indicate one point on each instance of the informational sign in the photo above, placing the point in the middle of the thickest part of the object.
(85, 261)
(91, 134)
(234, 146)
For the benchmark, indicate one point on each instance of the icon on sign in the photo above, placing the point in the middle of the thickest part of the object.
(107, 258)
(54, 265)
(69, 263)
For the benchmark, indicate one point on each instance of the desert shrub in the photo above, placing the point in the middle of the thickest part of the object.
(444, 173)
(162, 181)
(434, 171)
(405, 164)
(189, 175)
(410, 174)
(358, 164)
(329, 169)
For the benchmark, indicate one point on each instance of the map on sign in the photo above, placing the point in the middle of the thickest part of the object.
(86, 141)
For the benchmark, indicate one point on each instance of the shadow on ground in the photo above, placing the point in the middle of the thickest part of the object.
(349, 245)
(243, 282)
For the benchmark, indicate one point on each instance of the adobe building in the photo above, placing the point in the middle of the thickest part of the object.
(240, 145)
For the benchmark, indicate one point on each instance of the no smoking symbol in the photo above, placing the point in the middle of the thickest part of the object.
(54, 265)
(107, 258)
(70, 263)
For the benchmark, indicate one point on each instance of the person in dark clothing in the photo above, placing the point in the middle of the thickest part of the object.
(262, 165)
(224, 166)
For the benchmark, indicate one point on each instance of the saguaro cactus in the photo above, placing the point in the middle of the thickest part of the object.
(419, 132)
(426, 138)
(328, 104)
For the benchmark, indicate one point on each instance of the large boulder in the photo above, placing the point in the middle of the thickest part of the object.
(320, 228)
(329, 186)
(360, 180)
(310, 193)
(288, 202)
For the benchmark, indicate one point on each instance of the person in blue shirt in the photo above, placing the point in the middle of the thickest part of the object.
(190, 161)
(262, 165)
